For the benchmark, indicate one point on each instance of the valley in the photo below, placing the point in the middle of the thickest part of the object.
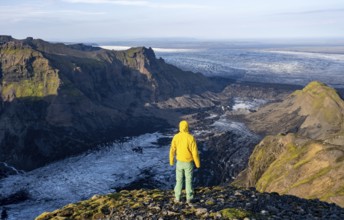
(79, 120)
(215, 121)
(218, 124)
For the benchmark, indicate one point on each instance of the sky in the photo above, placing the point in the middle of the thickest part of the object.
(82, 20)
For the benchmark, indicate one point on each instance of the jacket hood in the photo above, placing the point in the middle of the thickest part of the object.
(183, 126)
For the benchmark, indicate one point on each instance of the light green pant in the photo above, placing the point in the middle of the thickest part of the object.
(184, 168)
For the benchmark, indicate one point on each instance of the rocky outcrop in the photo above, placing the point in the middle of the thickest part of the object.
(58, 100)
(316, 112)
(210, 203)
(306, 158)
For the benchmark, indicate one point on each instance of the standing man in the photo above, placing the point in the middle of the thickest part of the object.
(184, 146)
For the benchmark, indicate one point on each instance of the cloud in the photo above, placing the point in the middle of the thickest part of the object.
(116, 2)
(320, 11)
(11, 14)
(142, 3)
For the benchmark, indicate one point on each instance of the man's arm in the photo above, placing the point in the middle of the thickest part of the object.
(172, 151)
(195, 154)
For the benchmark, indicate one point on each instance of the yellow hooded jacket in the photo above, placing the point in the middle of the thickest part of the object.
(184, 145)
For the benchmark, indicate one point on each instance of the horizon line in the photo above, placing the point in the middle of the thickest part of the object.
(285, 40)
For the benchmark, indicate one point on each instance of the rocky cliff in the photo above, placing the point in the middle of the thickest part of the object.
(210, 203)
(304, 150)
(58, 100)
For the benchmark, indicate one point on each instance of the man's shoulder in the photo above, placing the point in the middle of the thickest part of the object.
(190, 136)
(193, 137)
(183, 134)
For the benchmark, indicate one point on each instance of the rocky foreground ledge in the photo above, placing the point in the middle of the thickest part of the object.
(220, 202)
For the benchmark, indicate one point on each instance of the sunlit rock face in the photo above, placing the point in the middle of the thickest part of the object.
(306, 157)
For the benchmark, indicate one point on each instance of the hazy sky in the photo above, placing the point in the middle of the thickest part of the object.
(213, 19)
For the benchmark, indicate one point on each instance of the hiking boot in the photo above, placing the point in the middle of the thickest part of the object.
(189, 202)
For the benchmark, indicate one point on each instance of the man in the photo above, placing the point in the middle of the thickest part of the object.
(185, 148)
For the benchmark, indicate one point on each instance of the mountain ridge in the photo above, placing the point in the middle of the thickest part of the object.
(59, 100)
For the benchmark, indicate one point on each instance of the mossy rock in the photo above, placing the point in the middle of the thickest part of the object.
(136, 205)
(45, 216)
(98, 216)
(210, 202)
(86, 215)
(124, 192)
(233, 213)
(105, 210)
(67, 212)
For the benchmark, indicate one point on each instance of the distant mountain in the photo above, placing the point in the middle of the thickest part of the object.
(303, 154)
(57, 99)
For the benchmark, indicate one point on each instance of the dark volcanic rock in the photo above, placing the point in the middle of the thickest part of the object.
(223, 156)
(210, 203)
(6, 170)
(58, 100)
(16, 197)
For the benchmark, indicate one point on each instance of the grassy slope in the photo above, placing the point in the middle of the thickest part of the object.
(307, 164)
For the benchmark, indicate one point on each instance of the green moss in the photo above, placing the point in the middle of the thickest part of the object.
(33, 76)
(259, 154)
(157, 194)
(318, 93)
(210, 202)
(331, 95)
(99, 216)
(136, 205)
(233, 213)
(204, 191)
(314, 86)
(34, 87)
(124, 192)
(277, 169)
(17, 51)
(25, 88)
(217, 188)
(188, 211)
(301, 163)
(302, 154)
(336, 192)
(66, 212)
(115, 196)
(44, 216)
(129, 57)
(313, 177)
(340, 191)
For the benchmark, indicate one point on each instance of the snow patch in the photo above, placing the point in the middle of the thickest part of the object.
(254, 104)
(223, 125)
(212, 116)
(156, 49)
(115, 47)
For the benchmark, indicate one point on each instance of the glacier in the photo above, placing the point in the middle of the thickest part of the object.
(109, 168)
(95, 172)
(267, 65)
